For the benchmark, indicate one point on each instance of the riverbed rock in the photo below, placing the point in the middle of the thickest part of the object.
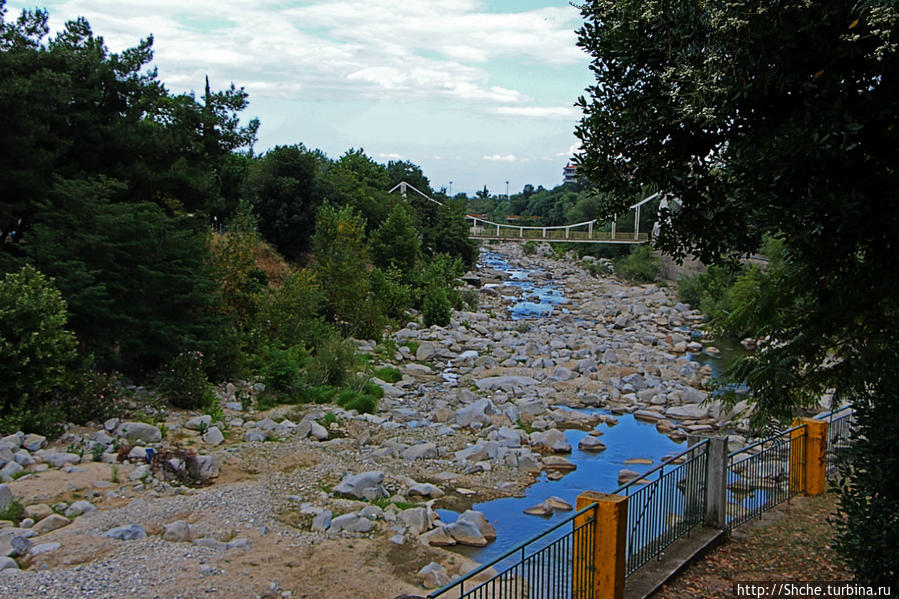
(552, 440)
(177, 532)
(417, 519)
(479, 520)
(129, 532)
(365, 485)
(199, 422)
(476, 414)
(420, 451)
(351, 523)
(438, 538)
(466, 533)
(687, 411)
(6, 497)
(425, 490)
(139, 432)
(79, 508)
(433, 575)
(590, 443)
(513, 383)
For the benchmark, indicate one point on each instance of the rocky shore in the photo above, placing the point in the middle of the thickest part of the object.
(314, 501)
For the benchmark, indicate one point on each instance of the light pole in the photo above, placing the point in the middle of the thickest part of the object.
(451, 189)
(507, 191)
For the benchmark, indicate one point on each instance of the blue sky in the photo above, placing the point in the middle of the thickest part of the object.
(475, 92)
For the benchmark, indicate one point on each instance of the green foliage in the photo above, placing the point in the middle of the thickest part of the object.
(354, 400)
(396, 242)
(802, 150)
(14, 512)
(389, 374)
(329, 418)
(96, 396)
(391, 294)
(709, 291)
(288, 314)
(281, 370)
(341, 267)
(319, 394)
(286, 188)
(233, 255)
(35, 349)
(529, 248)
(332, 363)
(436, 308)
(640, 266)
(183, 382)
(449, 234)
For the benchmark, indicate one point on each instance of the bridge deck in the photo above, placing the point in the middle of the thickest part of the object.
(559, 237)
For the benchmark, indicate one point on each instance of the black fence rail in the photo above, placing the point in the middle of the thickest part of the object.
(765, 474)
(664, 504)
(556, 564)
(839, 437)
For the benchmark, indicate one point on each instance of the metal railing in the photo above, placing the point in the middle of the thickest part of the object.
(556, 564)
(765, 474)
(664, 504)
(839, 436)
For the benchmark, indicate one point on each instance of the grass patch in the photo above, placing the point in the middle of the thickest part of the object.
(389, 374)
(13, 512)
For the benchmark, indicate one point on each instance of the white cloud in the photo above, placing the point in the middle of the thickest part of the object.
(501, 158)
(343, 49)
(390, 156)
(540, 112)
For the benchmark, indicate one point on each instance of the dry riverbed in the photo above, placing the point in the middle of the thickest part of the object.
(299, 506)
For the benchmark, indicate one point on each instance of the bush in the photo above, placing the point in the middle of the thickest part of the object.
(36, 350)
(288, 315)
(183, 382)
(318, 394)
(392, 295)
(529, 248)
(331, 364)
(97, 396)
(389, 374)
(436, 308)
(640, 266)
(281, 370)
(354, 400)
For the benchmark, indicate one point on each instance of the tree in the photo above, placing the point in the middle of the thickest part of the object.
(450, 233)
(341, 268)
(285, 187)
(396, 243)
(774, 120)
(36, 348)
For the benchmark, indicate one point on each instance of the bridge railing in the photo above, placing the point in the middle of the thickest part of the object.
(556, 564)
(665, 504)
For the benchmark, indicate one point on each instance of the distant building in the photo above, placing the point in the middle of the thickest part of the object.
(569, 173)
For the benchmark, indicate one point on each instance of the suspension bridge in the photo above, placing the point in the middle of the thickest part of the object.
(583, 232)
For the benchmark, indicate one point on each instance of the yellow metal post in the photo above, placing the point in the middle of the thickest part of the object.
(609, 546)
(808, 457)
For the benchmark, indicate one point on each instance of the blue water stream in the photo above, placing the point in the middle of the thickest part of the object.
(628, 439)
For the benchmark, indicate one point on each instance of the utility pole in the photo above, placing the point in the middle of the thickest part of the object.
(507, 191)
(451, 189)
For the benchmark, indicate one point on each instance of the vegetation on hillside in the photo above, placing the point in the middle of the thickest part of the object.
(773, 121)
(141, 236)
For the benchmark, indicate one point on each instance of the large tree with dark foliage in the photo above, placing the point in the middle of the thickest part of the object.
(774, 119)
(101, 169)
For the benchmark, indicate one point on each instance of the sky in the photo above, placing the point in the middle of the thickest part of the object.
(476, 92)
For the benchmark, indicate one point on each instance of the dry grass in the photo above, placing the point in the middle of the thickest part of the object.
(791, 543)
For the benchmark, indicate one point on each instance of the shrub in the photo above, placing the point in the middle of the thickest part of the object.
(389, 374)
(353, 400)
(640, 266)
(35, 350)
(183, 382)
(281, 370)
(332, 362)
(529, 248)
(97, 396)
(288, 314)
(436, 308)
(318, 394)
(392, 295)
